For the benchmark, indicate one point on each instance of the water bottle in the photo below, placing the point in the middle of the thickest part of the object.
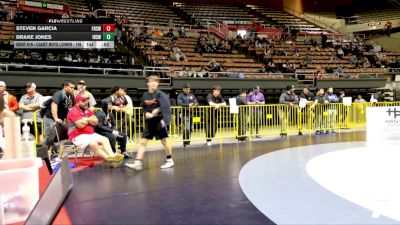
(27, 141)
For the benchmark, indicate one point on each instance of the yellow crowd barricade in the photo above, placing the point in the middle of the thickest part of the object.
(209, 123)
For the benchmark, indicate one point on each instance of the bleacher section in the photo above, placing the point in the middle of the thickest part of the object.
(6, 31)
(138, 12)
(78, 7)
(378, 14)
(228, 14)
(233, 62)
(285, 19)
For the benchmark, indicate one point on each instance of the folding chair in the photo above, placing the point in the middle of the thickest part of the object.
(65, 145)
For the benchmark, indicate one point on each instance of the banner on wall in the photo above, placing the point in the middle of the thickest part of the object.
(383, 123)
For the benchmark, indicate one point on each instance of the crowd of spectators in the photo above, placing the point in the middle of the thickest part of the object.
(206, 44)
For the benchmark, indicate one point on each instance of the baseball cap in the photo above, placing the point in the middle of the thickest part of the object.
(82, 82)
(29, 85)
(187, 85)
(2, 83)
(80, 98)
(256, 87)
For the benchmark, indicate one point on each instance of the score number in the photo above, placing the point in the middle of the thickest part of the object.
(108, 27)
(108, 32)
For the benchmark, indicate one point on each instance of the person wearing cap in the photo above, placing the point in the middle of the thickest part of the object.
(107, 127)
(10, 101)
(290, 99)
(60, 104)
(255, 98)
(187, 100)
(28, 104)
(215, 100)
(81, 122)
(81, 89)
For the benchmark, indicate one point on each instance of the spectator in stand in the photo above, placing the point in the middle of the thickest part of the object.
(181, 56)
(263, 69)
(183, 73)
(359, 99)
(191, 72)
(353, 60)
(339, 71)
(332, 110)
(242, 121)
(215, 100)
(296, 51)
(170, 33)
(81, 122)
(10, 101)
(388, 27)
(202, 73)
(81, 90)
(308, 59)
(56, 113)
(28, 104)
(182, 32)
(324, 39)
(287, 98)
(119, 25)
(340, 53)
(187, 100)
(213, 66)
(255, 99)
(268, 53)
(107, 128)
(319, 121)
(157, 33)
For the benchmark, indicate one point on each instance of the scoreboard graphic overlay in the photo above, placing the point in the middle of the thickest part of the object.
(65, 34)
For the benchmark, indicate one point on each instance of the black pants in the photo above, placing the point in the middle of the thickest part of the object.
(255, 121)
(123, 121)
(122, 139)
(242, 125)
(187, 124)
(211, 122)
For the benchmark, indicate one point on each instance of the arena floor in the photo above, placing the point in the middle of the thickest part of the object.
(202, 188)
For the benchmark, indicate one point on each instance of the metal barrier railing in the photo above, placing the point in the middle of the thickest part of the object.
(207, 123)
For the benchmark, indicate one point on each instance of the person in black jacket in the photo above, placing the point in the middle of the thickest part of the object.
(107, 128)
(157, 112)
(241, 100)
(187, 100)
